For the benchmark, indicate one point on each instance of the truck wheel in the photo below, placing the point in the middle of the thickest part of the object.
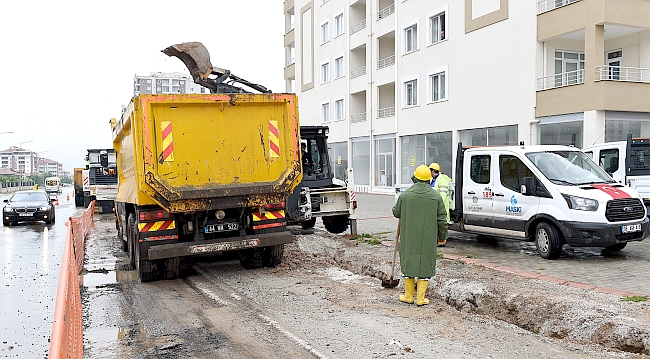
(548, 241)
(147, 270)
(78, 200)
(131, 238)
(252, 258)
(309, 224)
(336, 224)
(86, 201)
(615, 248)
(273, 255)
(125, 243)
(171, 267)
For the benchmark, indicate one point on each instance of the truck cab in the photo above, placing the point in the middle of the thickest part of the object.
(628, 162)
(553, 195)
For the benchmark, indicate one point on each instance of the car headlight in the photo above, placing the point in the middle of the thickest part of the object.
(44, 208)
(8, 210)
(579, 203)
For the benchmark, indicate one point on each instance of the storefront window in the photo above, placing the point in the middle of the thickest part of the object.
(338, 153)
(617, 130)
(361, 160)
(561, 133)
(385, 162)
(424, 149)
(493, 136)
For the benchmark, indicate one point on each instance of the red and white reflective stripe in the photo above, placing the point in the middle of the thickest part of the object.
(352, 196)
(612, 191)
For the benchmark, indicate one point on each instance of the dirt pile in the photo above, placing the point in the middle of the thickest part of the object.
(544, 308)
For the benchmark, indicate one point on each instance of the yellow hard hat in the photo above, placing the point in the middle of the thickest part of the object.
(423, 173)
(434, 166)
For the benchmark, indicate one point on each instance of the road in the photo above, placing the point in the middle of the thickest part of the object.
(31, 260)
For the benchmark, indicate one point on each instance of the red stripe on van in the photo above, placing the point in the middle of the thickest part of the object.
(612, 191)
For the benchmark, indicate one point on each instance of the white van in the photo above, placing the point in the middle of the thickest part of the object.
(627, 162)
(53, 185)
(552, 195)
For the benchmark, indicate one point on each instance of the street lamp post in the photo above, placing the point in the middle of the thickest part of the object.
(22, 175)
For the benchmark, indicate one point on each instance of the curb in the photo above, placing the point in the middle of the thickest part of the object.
(533, 275)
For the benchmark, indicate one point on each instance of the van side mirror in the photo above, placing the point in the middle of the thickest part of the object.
(528, 186)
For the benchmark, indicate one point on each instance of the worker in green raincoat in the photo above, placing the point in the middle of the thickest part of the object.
(442, 184)
(422, 221)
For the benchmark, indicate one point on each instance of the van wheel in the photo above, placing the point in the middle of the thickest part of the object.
(336, 224)
(615, 248)
(547, 240)
(309, 224)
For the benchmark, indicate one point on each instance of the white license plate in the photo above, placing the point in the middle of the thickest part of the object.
(25, 214)
(631, 228)
(222, 227)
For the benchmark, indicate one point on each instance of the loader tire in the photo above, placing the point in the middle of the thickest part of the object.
(252, 258)
(273, 255)
(336, 224)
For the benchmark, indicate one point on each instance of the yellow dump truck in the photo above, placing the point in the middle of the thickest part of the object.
(205, 173)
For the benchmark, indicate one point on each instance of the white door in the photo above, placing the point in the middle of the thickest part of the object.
(478, 190)
(614, 64)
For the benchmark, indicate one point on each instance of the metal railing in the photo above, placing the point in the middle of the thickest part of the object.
(548, 5)
(385, 62)
(290, 27)
(358, 72)
(358, 26)
(619, 73)
(386, 112)
(560, 80)
(291, 61)
(385, 11)
(359, 117)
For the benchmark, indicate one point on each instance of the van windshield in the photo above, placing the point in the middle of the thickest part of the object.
(568, 167)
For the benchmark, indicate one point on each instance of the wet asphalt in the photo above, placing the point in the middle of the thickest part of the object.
(30, 258)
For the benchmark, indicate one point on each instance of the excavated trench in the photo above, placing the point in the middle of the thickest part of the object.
(540, 307)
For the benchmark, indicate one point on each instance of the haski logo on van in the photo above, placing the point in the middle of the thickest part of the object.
(513, 209)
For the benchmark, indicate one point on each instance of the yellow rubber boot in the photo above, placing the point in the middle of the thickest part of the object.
(441, 242)
(423, 284)
(409, 290)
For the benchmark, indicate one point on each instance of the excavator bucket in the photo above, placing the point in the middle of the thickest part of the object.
(195, 57)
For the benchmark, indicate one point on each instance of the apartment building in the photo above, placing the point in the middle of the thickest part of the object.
(46, 165)
(25, 161)
(401, 82)
(166, 83)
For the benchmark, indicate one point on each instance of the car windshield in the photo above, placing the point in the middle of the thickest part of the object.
(29, 197)
(569, 167)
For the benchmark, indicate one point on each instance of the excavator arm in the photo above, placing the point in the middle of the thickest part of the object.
(197, 60)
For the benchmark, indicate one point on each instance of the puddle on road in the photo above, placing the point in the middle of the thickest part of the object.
(98, 279)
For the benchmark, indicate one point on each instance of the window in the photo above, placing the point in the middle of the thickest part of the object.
(411, 39)
(158, 89)
(325, 33)
(569, 67)
(437, 86)
(149, 81)
(480, 169)
(340, 111)
(165, 81)
(174, 82)
(338, 25)
(437, 28)
(512, 172)
(148, 88)
(325, 73)
(411, 93)
(325, 113)
(338, 67)
(608, 160)
(165, 89)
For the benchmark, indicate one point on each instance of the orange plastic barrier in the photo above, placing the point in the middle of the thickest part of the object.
(67, 329)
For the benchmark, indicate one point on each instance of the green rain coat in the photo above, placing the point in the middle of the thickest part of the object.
(443, 187)
(422, 221)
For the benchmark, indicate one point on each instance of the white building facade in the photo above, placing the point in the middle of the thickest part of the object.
(401, 82)
(166, 83)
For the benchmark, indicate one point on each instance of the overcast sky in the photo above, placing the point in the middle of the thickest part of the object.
(68, 66)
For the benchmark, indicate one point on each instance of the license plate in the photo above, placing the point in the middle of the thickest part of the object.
(221, 227)
(631, 228)
(25, 214)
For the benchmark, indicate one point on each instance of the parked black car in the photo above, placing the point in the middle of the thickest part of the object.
(28, 206)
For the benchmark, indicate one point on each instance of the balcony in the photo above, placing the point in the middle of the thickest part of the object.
(385, 62)
(290, 62)
(386, 112)
(385, 12)
(358, 72)
(561, 80)
(358, 26)
(548, 5)
(289, 28)
(619, 73)
(359, 117)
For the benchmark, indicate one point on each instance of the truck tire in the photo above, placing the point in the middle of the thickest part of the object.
(252, 258)
(86, 201)
(548, 241)
(309, 224)
(171, 267)
(273, 255)
(78, 200)
(336, 224)
(124, 241)
(615, 248)
(131, 238)
(147, 270)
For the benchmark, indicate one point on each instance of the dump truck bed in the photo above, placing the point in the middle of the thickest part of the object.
(207, 151)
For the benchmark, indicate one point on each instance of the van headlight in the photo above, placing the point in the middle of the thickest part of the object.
(579, 203)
